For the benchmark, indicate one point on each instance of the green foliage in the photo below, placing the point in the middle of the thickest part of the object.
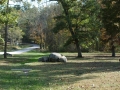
(111, 23)
(11, 15)
(1, 40)
(111, 16)
(60, 25)
(82, 16)
(2, 2)
(15, 34)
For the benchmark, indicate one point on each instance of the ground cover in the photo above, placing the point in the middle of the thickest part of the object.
(95, 71)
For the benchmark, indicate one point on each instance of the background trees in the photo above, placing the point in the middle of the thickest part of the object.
(15, 35)
(111, 22)
(66, 23)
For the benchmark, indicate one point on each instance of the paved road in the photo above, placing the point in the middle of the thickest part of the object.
(34, 46)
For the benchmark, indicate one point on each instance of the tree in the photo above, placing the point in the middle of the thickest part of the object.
(7, 17)
(2, 1)
(111, 21)
(6, 28)
(78, 20)
(53, 41)
(15, 35)
(27, 19)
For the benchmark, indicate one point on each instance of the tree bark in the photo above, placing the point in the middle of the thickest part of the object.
(6, 29)
(78, 49)
(5, 45)
(113, 51)
(113, 48)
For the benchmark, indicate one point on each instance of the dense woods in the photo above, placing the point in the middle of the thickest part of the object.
(64, 25)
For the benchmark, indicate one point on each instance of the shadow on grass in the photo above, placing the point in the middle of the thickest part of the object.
(106, 57)
(50, 74)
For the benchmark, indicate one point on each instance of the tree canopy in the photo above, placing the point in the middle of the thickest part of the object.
(79, 18)
(110, 12)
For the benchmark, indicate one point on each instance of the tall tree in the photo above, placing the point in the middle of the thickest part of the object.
(6, 28)
(8, 16)
(76, 19)
(111, 21)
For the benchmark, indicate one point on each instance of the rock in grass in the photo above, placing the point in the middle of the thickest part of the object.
(43, 59)
(63, 59)
(54, 57)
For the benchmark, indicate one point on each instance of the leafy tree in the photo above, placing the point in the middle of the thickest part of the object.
(2, 2)
(5, 21)
(8, 17)
(15, 34)
(53, 41)
(78, 20)
(111, 21)
(33, 23)
(27, 21)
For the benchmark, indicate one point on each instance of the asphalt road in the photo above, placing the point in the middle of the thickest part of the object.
(33, 46)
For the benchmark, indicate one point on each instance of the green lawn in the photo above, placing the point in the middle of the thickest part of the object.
(95, 71)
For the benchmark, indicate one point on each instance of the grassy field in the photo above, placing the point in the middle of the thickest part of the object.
(95, 71)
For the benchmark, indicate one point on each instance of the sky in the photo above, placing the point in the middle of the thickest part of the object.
(43, 2)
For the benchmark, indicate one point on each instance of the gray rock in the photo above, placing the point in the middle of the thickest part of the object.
(43, 59)
(40, 59)
(54, 57)
(63, 59)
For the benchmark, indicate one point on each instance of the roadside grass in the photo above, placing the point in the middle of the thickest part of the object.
(95, 71)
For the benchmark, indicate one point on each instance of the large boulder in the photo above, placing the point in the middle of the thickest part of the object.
(63, 59)
(53, 57)
(43, 59)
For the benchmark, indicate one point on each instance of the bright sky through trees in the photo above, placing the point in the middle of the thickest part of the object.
(34, 3)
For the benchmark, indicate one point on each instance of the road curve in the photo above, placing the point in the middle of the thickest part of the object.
(33, 46)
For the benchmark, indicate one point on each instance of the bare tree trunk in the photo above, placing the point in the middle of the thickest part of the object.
(78, 49)
(5, 46)
(113, 48)
(113, 51)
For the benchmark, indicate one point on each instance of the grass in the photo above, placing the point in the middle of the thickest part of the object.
(95, 71)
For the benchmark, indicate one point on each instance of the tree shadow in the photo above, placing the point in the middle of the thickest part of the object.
(46, 74)
(50, 74)
(106, 57)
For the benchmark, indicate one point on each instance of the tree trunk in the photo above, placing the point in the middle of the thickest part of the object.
(113, 48)
(5, 45)
(79, 50)
(113, 51)
(6, 28)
